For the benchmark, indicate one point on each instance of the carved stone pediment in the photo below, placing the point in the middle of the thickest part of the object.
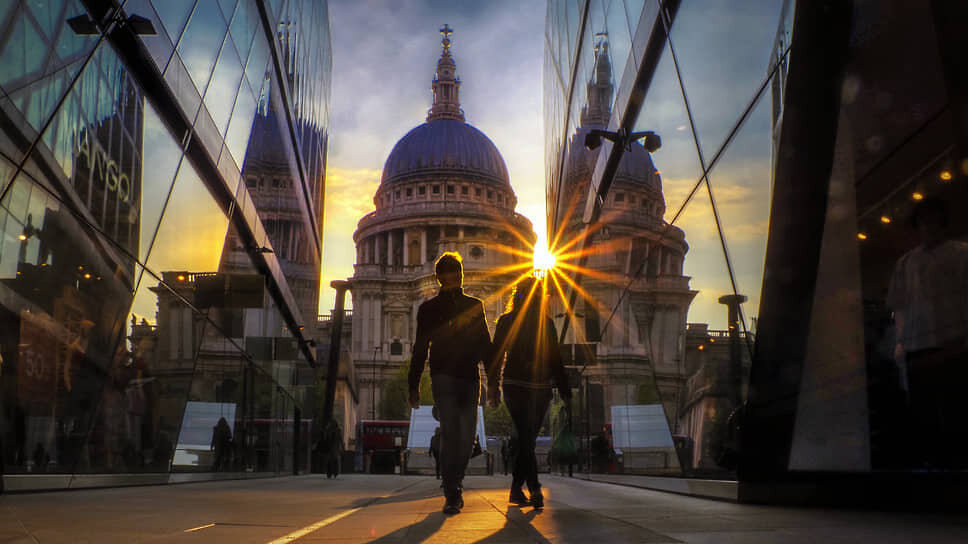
(396, 300)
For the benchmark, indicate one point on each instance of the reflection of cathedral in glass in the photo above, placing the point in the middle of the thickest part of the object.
(445, 187)
(638, 359)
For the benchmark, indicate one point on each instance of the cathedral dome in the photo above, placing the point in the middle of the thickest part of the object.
(445, 144)
(636, 167)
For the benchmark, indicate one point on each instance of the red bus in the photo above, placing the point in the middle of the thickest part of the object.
(380, 445)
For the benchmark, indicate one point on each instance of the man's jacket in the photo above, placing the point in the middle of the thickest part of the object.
(452, 325)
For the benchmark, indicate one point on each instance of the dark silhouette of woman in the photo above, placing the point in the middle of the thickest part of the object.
(526, 348)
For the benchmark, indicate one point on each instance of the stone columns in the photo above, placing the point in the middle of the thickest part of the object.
(423, 245)
(389, 247)
(406, 249)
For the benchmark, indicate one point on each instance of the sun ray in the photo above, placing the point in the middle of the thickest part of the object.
(578, 288)
(607, 277)
(506, 288)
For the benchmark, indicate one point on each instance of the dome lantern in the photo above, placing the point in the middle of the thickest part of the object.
(446, 84)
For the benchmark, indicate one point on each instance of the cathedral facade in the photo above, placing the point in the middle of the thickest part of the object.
(445, 187)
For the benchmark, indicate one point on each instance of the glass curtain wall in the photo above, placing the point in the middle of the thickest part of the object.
(148, 322)
(839, 228)
(660, 294)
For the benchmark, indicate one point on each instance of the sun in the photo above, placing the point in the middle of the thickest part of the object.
(544, 260)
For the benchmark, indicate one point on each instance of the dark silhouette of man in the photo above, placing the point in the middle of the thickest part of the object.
(453, 328)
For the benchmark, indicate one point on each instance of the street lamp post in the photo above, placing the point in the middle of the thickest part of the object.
(332, 371)
(580, 375)
(373, 382)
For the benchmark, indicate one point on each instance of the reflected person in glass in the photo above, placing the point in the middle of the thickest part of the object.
(929, 296)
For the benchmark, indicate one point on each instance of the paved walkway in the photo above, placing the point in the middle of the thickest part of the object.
(395, 509)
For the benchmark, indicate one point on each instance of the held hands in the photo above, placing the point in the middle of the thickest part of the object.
(415, 398)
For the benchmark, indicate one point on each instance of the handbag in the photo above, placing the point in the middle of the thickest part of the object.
(564, 448)
(477, 448)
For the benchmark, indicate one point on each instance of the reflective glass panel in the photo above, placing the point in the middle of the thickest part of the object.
(192, 230)
(66, 294)
(200, 45)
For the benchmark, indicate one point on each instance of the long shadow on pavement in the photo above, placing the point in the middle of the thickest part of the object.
(416, 532)
(514, 526)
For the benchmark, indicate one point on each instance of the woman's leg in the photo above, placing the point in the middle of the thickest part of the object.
(516, 400)
(538, 406)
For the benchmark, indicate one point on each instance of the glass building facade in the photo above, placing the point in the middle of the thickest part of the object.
(760, 279)
(162, 166)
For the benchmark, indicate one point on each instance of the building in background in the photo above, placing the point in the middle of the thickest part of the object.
(159, 260)
(445, 187)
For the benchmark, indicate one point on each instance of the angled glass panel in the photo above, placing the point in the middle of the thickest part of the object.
(7, 171)
(715, 351)
(158, 174)
(91, 152)
(144, 399)
(255, 68)
(192, 230)
(724, 55)
(224, 87)
(619, 40)
(174, 14)
(742, 187)
(244, 25)
(161, 44)
(199, 47)
(227, 7)
(240, 127)
(209, 440)
(65, 291)
(39, 58)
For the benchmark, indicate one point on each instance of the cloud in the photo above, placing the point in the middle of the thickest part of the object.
(349, 196)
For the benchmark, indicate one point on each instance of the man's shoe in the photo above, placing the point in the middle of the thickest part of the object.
(452, 507)
(517, 497)
(537, 500)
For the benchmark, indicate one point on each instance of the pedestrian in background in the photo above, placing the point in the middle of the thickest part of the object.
(526, 349)
(332, 444)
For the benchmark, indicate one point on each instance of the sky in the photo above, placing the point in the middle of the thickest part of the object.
(384, 57)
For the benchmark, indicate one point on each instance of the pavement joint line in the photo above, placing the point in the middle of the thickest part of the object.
(295, 535)
(27, 531)
(199, 528)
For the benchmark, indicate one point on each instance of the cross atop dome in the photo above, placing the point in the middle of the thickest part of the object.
(446, 85)
(446, 31)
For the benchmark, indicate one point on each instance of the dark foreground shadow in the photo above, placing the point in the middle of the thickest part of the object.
(400, 497)
(416, 532)
(517, 523)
